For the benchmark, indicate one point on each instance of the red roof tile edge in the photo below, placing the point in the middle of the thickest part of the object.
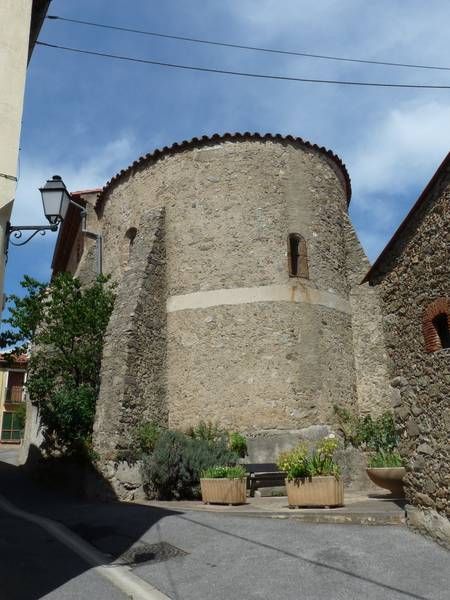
(21, 359)
(83, 192)
(197, 142)
(421, 199)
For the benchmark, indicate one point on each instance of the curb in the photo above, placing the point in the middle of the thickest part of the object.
(305, 516)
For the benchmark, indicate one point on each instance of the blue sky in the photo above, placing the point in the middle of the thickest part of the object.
(85, 118)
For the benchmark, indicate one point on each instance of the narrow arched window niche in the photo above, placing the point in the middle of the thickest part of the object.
(127, 244)
(297, 256)
(436, 325)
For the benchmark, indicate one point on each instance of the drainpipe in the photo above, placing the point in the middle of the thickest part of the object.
(92, 235)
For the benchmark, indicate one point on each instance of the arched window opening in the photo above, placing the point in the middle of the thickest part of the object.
(436, 321)
(440, 323)
(297, 256)
(128, 242)
(131, 234)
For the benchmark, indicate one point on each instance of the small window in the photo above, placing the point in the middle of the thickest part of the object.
(297, 256)
(436, 325)
(128, 242)
(441, 326)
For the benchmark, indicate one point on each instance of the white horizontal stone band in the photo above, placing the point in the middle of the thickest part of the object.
(266, 293)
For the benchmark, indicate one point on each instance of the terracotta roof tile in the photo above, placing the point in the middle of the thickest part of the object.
(12, 359)
(83, 192)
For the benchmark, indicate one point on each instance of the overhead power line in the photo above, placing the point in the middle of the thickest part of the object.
(244, 47)
(242, 73)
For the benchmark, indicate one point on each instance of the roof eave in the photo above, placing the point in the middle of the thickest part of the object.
(38, 13)
(225, 137)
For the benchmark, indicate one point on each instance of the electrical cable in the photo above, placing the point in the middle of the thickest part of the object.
(242, 73)
(243, 47)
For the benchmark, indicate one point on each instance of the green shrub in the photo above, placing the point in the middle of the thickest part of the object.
(385, 459)
(146, 437)
(68, 418)
(236, 472)
(206, 430)
(300, 463)
(366, 432)
(238, 444)
(173, 469)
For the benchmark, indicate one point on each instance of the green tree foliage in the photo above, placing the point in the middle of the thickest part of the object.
(21, 415)
(65, 324)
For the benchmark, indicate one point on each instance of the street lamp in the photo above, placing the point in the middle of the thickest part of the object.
(56, 200)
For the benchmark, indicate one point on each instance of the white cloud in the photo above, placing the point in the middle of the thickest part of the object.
(401, 150)
(270, 14)
(99, 166)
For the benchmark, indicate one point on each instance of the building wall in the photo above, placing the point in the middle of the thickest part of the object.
(373, 391)
(414, 274)
(246, 344)
(15, 16)
(133, 371)
(12, 378)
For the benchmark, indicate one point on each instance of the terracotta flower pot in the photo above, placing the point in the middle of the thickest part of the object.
(224, 491)
(389, 478)
(315, 491)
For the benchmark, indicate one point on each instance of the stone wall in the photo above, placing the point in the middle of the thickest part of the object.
(414, 273)
(372, 378)
(247, 344)
(81, 260)
(133, 376)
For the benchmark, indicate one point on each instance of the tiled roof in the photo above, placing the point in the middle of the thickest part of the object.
(84, 192)
(22, 359)
(205, 140)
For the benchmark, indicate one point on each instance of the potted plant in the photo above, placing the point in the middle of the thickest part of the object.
(224, 485)
(313, 479)
(379, 438)
(385, 469)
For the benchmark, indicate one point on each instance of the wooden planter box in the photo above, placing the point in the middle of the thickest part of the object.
(389, 478)
(315, 491)
(224, 491)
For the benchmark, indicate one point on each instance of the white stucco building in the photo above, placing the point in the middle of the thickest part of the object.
(21, 22)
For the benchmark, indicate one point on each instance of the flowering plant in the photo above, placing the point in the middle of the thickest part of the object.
(299, 463)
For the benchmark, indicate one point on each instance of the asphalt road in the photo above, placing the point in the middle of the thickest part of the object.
(222, 557)
(236, 557)
(33, 564)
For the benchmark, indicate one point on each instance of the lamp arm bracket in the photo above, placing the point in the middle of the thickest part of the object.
(16, 232)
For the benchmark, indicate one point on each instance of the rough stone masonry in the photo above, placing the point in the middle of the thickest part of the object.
(412, 277)
(212, 321)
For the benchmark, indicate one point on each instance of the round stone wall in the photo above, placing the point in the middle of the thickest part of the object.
(246, 344)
